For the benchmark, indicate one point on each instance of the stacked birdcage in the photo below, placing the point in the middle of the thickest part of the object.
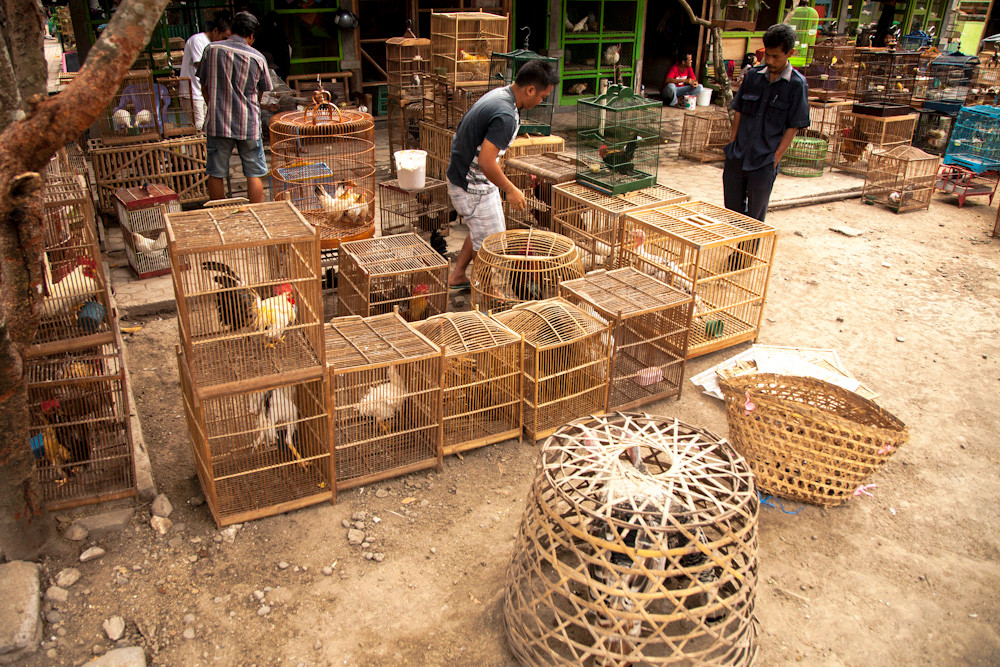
(323, 161)
(975, 139)
(408, 61)
(424, 210)
(719, 256)
(534, 175)
(884, 82)
(901, 178)
(951, 78)
(650, 322)
(618, 140)
(566, 356)
(858, 136)
(522, 265)
(402, 271)
(704, 134)
(593, 221)
(177, 115)
(482, 379)
(384, 381)
(823, 119)
(807, 156)
(932, 132)
(463, 42)
(738, 15)
(829, 72)
(445, 100)
(436, 141)
(985, 86)
(252, 357)
(133, 114)
(503, 70)
(144, 231)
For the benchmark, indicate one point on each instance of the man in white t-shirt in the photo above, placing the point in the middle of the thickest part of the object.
(217, 29)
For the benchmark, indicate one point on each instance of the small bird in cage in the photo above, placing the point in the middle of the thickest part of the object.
(277, 417)
(241, 307)
(382, 401)
(69, 292)
(346, 204)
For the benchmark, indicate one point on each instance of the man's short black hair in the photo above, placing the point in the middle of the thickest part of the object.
(245, 25)
(222, 21)
(538, 73)
(781, 36)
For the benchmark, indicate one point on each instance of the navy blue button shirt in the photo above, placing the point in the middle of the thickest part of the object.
(767, 109)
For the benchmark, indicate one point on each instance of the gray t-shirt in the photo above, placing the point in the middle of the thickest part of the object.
(493, 117)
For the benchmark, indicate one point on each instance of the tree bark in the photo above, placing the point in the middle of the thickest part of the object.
(23, 24)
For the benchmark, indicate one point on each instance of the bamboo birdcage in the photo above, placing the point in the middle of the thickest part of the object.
(738, 15)
(703, 135)
(503, 70)
(133, 113)
(408, 61)
(482, 379)
(79, 424)
(272, 253)
(384, 380)
(807, 156)
(524, 145)
(404, 271)
(566, 362)
(462, 43)
(858, 136)
(884, 82)
(592, 220)
(901, 178)
(823, 118)
(522, 265)
(650, 324)
(140, 214)
(829, 71)
(403, 126)
(68, 207)
(618, 140)
(719, 256)
(985, 86)
(178, 114)
(423, 210)
(446, 101)
(638, 545)
(535, 175)
(437, 142)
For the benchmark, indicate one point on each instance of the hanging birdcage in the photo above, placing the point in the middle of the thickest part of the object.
(177, 117)
(618, 140)
(884, 82)
(408, 61)
(132, 114)
(737, 15)
(503, 70)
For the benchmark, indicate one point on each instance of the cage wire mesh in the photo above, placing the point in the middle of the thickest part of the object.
(719, 256)
(503, 70)
(858, 136)
(618, 140)
(482, 379)
(462, 43)
(132, 114)
(535, 175)
(829, 72)
(566, 356)
(638, 545)
(951, 77)
(408, 61)
(884, 82)
(424, 210)
(932, 132)
(384, 379)
(704, 134)
(649, 332)
(403, 127)
(177, 117)
(806, 156)
(144, 232)
(901, 178)
(436, 141)
(985, 86)
(975, 139)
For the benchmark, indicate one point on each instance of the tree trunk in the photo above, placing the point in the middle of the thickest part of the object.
(26, 146)
(25, 38)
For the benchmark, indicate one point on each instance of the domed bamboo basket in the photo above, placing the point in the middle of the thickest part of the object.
(522, 265)
(622, 563)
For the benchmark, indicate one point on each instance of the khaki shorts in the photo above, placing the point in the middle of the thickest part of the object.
(482, 212)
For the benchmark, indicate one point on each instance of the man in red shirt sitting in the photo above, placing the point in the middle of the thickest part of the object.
(680, 81)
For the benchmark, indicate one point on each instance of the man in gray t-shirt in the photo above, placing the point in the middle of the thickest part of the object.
(474, 175)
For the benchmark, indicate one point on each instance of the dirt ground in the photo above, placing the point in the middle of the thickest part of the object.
(908, 576)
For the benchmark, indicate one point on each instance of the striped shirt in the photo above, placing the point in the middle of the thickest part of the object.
(232, 73)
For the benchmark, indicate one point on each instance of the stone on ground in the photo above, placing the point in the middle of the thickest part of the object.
(105, 522)
(20, 623)
(161, 506)
(133, 656)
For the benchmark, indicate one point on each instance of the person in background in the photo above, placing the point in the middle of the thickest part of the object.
(233, 76)
(680, 81)
(216, 30)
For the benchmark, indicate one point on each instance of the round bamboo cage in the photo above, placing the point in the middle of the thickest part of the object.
(638, 545)
(521, 265)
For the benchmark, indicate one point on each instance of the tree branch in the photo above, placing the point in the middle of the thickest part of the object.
(692, 16)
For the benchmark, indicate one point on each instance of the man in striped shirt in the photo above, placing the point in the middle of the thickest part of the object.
(233, 75)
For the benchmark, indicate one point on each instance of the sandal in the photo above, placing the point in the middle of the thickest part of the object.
(462, 286)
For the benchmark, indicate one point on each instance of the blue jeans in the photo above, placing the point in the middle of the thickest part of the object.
(251, 156)
(672, 92)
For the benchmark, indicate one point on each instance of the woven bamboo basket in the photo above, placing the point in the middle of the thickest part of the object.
(806, 439)
(482, 379)
(638, 546)
(522, 265)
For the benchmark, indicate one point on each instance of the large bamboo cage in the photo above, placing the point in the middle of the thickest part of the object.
(901, 178)
(592, 220)
(566, 352)
(829, 71)
(535, 175)
(806, 439)
(144, 232)
(859, 136)
(70, 161)
(638, 546)
(424, 210)
(132, 114)
(176, 117)
(522, 265)
(482, 379)
(402, 271)
(884, 82)
(532, 144)
(721, 257)
(823, 122)
(704, 133)
(260, 448)
(463, 42)
(75, 298)
(79, 424)
(985, 87)
(226, 259)
(403, 126)
(503, 71)
(650, 323)
(384, 380)
(437, 142)
(408, 61)
(446, 101)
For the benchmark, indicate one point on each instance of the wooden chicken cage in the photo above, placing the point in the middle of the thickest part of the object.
(650, 323)
(384, 380)
(79, 423)
(140, 215)
(404, 271)
(592, 219)
(703, 135)
(522, 265)
(423, 210)
(901, 178)
(133, 114)
(437, 142)
(260, 447)
(247, 284)
(445, 101)
(408, 60)
(566, 355)
(719, 256)
(535, 175)
(482, 379)
(858, 136)
(463, 42)
(532, 144)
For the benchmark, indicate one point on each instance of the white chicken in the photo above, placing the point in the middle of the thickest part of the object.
(144, 117)
(612, 54)
(383, 400)
(145, 244)
(277, 418)
(581, 25)
(122, 119)
(70, 291)
(674, 275)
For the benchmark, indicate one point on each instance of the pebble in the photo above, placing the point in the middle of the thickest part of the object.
(318, 645)
(218, 600)
(53, 617)
(358, 516)
(381, 493)
(67, 577)
(179, 527)
(197, 501)
(365, 545)
(375, 519)
(433, 550)
(76, 532)
(259, 595)
(52, 654)
(295, 569)
(56, 594)
(424, 503)
(355, 536)
(264, 611)
(188, 619)
(378, 557)
(61, 632)
(188, 634)
(160, 524)
(229, 532)
(900, 339)
(283, 565)
(161, 506)
(327, 571)
(346, 523)
(193, 558)
(360, 525)
(96, 649)
(368, 555)
(114, 628)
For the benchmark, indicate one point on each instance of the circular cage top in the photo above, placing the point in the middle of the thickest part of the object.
(550, 322)
(323, 117)
(529, 244)
(465, 332)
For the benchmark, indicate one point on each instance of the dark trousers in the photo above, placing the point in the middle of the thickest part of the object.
(746, 192)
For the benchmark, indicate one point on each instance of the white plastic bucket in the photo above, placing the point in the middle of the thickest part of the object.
(411, 169)
(690, 101)
(705, 97)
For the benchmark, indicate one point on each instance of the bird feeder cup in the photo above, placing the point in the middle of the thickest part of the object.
(503, 70)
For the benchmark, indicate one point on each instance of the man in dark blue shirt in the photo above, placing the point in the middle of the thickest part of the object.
(771, 107)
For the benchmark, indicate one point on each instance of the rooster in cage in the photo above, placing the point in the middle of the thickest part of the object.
(619, 160)
(384, 400)
(71, 289)
(240, 307)
(345, 205)
(62, 446)
(277, 421)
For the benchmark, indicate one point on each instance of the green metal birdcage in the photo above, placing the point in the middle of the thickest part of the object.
(503, 70)
(618, 141)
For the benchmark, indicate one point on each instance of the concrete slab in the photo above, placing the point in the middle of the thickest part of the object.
(105, 522)
(20, 622)
(133, 656)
